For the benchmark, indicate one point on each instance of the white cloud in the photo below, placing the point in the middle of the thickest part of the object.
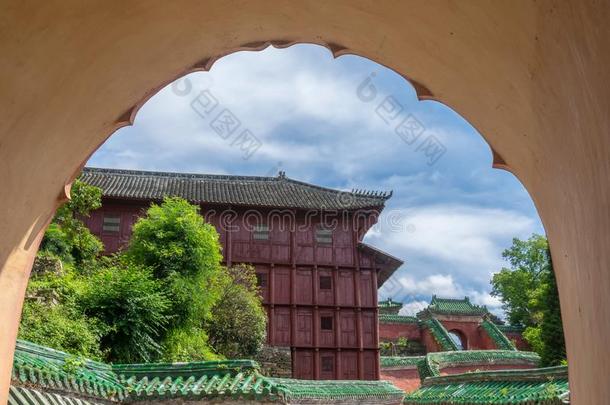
(440, 284)
(462, 240)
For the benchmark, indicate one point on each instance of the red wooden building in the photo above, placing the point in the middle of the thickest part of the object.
(318, 279)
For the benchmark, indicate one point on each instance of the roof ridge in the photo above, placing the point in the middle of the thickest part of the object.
(526, 374)
(281, 177)
(176, 174)
(358, 193)
(465, 299)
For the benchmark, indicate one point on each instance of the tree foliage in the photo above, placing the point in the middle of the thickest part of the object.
(174, 239)
(184, 252)
(158, 300)
(529, 296)
(237, 327)
(133, 305)
(67, 236)
(553, 351)
(519, 286)
(51, 316)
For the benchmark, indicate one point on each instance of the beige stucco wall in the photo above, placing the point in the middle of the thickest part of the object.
(532, 76)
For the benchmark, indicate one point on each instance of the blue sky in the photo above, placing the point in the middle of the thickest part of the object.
(316, 118)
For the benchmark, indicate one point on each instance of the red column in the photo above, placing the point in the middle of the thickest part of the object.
(229, 247)
(293, 307)
(358, 303)
(271, 305)
(376, 330)
(316, 325)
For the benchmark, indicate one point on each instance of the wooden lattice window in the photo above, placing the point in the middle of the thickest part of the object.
(111, 224)
(326, 283)
(326, 323)
(328, 364)
(324, 236)
(261, 232)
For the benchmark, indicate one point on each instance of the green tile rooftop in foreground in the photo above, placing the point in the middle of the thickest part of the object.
(45, 367)
(432, 364)
(39, 370)
(547, 386)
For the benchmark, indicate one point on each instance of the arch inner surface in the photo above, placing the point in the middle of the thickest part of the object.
(531, 76)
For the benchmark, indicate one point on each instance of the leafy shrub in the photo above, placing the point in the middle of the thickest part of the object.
(56, 242)
(133, 305)
(61, 327)
(188, 344)
(67, 237)
(174, 239)
(237, 327)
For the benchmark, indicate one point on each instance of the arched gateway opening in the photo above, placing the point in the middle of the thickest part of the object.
(459, 339)
(499, 65)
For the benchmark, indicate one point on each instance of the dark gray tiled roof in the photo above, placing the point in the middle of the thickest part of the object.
(273, 192)
(389, 264)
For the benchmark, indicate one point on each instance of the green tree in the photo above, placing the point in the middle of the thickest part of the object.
(553, 351)
(529, 296)
(238, 324)
(67, 237)
(184, 252)
(61, 327)
(518, 285)
(132, 304)
(51, 313)
(51, 316)
(173, 239)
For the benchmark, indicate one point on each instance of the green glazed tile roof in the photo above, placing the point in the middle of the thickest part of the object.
(499, 338)
(185, 370)
(249, 385)
(453, 306)
(237, 379)
(347, 392)
(391, 318)
(432, 364)
(440, 334)
(400, 361)
(510, 328)
(28, 396)
(279, 191)
(547, 386)
(48, 368)
(389, 303)
(38, 370)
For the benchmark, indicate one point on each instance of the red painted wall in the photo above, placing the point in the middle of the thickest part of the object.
(519, 341)
(393, 331)
(429, 341)
(405, 379)
(475, 336)
(408, 378)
